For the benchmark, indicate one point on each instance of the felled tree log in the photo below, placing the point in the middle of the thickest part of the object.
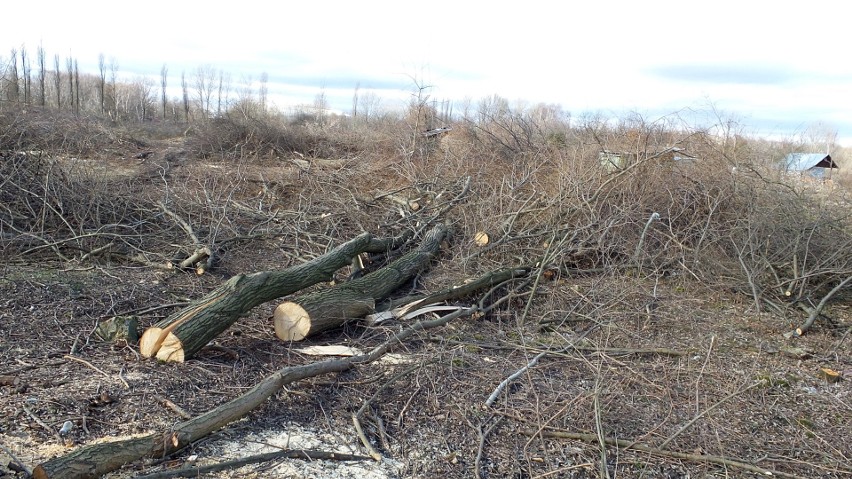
(182, 334)
(98, 459)
(317, 312)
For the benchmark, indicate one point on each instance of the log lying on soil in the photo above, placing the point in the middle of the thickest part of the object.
(317, 312)
(182, 334)
(96, 460)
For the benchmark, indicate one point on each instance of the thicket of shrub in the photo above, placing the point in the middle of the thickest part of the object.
(536, 186)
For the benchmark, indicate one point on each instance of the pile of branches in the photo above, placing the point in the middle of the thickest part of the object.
(49, 210)
(37, 130)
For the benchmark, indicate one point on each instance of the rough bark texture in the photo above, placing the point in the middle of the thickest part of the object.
(187, 331)
(96, 460)
(316, 312)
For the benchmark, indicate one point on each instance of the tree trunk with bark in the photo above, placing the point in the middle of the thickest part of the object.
(97, 459)
(317, 312)
(184, 333)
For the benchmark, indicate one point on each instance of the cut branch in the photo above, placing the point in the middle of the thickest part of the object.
(96, 460)
(317, 312)
(310, 455)
(184, 333)
(814, 313)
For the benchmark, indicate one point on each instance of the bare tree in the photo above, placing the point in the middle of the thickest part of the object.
(69, 64)
(185, 90)
(57, 81)
(113, 80)
(77, 87)
(263, 91)
(204, 77)
(819, 136)
(321, 105)
(164, 80)
(102, 82)
(143, 97)
(42, 75)
(369, 104)
(25, 73)
(13, 91)
(223, 92)
(355, 102)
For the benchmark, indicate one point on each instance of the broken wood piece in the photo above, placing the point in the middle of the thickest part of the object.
(467, 287)
(413, 205)
(323, 310)
(829, 375)
(118, 328)
(185, 332)
(481, 238)
(199, 255)
(331, 350)
(376, 318)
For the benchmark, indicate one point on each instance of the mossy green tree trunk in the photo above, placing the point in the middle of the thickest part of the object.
(182, 334)
(317, 312)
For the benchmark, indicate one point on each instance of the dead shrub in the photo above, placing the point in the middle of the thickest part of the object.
(232, 137)
(37, 130)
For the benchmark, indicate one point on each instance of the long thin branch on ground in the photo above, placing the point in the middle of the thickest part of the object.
(311, 455)
(815, 312)
(623, 443)
(500, 387)
(503, 384)
(707, 410)
(356, 416)
(98, 459)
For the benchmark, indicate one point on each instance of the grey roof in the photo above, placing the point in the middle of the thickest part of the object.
(437, 131)
(806, 161)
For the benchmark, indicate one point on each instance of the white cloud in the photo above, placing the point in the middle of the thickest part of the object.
(585, 55)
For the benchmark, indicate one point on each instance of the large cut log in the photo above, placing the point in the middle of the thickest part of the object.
(98, 459)
(182, 334)
(323, 310)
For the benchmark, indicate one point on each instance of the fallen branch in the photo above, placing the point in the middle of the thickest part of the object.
(83, 361)
(491, 279)
(500, 387)
(814, 313)
(623, 443)
(356, 416)
(310, 455)
(182, 334)
(320, 311)
(707, 410)
(15, 462)
(97, 459)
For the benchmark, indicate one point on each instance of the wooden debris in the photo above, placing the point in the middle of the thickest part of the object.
(316, 312)
(185, 332)
(331, 350)
(119, 328)
(829, 375)
(481, 238)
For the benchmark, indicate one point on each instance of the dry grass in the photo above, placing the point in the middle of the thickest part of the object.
(656, 329)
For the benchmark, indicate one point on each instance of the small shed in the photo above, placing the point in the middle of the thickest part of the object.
(816, 165)
(618, 160)
(437, 131)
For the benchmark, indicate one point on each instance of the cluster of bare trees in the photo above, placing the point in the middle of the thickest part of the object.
(204, 93)
(17, 81)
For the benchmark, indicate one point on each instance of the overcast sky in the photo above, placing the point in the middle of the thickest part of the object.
(777, 67)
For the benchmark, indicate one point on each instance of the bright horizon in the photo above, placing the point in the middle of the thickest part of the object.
(774, 68)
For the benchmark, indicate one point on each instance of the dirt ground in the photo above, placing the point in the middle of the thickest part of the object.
(692, 373)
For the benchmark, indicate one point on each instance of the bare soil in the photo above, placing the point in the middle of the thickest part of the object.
(656, 355)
